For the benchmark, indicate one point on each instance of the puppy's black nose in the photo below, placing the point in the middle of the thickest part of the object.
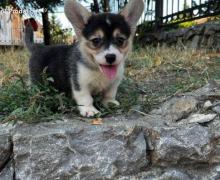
(110, 58)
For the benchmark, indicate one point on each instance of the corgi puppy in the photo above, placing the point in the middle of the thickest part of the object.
(96, 62)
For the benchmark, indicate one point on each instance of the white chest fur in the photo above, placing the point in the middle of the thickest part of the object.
(95, 80)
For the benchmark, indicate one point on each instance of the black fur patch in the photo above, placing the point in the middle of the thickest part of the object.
(99, 21)
(61, 62)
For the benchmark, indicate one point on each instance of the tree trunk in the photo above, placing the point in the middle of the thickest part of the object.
(106, 7)
(46, 28)
(95, 6)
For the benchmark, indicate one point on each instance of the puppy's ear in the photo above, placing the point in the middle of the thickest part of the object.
(77, 15)
(132, 12)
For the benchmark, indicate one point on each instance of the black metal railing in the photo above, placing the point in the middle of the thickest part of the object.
(168, 12)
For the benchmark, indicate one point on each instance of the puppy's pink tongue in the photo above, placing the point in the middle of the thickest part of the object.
(109, 71)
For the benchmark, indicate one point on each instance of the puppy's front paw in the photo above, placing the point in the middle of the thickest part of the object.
(107, 102)
(88, 111)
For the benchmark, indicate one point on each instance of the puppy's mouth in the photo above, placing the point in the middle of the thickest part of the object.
(110, 71)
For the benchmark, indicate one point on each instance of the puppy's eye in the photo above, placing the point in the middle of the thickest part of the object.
(119, 41)
(97, 42)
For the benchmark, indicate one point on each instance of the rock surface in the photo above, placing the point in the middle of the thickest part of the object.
(179, 140)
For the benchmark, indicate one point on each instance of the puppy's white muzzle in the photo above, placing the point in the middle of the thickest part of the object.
(101, 59)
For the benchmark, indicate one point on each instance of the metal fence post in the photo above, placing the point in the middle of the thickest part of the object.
(158, 13)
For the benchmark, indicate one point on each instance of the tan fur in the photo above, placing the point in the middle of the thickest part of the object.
(127, 46)
(117, 33)
(90, 51)
(97, 34)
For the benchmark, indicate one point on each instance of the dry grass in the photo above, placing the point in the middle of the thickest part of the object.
(144, 64)
(164, 72)
(12, 62)
(153, 63)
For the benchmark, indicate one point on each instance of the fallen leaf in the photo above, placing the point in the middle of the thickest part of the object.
(97, 121)
(157, 61)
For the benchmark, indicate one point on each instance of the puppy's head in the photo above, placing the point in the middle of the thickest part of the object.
(105, 39)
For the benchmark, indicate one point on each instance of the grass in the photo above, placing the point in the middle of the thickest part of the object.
(152, 76)
(13, 62)
(164, 72)
(32, 103)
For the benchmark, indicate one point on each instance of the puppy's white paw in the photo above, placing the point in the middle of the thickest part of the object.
(106, 102)
(88, 111)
